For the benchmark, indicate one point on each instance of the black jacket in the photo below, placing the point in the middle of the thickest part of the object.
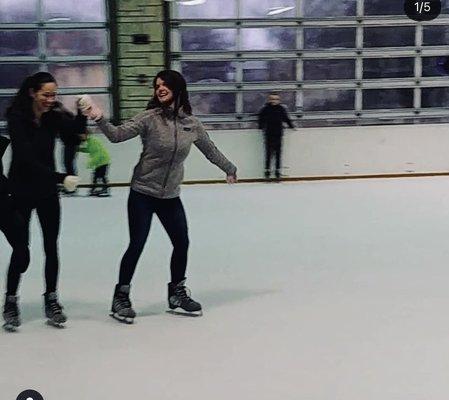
(4, 142)
(32, 173)
(271, 118)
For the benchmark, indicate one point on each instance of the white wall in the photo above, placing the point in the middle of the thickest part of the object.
(308, 153)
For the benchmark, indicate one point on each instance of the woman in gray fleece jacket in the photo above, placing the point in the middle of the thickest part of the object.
(167, 131)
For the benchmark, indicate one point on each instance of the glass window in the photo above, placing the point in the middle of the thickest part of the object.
(212, 103)
(435, 35)
(69, 75)
(382, 7)
(328, 38)
(387, 98)
(268, 8)
(268, 38)
(326, 8)
(211, 9)
(329, 69)
(5, 102)
(102, 100)
(269, 70)
(328, 100)
(88, 42)
(208, 71)
(78, 11)
(394, 36)
(435, 66)
(388, 68)
(12, 75)
(193, 39)
(435, 97)
(18, 11)
(18, 43)
(254, 101)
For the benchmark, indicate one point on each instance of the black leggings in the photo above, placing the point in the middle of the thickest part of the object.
(172, 216)
(273, 146)
(49, 214)
(12, 226)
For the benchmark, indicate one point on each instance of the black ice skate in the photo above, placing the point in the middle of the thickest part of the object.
(11, 314)
(104, 192)
(180, 302)
(122, 309)
(53, 310)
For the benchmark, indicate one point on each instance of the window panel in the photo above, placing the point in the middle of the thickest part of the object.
(212, 9)
(88, 42)
(269, 70)
(388, 68)
(102, 100)
(268, 8)
(387, 98)
(78, 11)
(5, 102)
(69, 75)
(431, 66)
(208, 71)
(329, 69)
(18, 43)
(435, 97)
(12, 75)
(254, 101)
(435, 35)
(382, 7)
(328, 38)
(193, 39)
(212, 103)
(268, 38)
(394, 36)
(326, 8)
(328, 100)
(18, 11)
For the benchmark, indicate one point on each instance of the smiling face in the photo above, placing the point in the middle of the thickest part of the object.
(44, 99)
(163, 93)
(274, 99)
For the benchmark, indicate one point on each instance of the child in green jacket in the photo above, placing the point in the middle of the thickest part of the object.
(99, 161)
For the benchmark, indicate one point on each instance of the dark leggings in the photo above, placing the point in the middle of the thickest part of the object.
(100, 174)
(273, 146)
(172, 216)
(49, 214)
(12, 226)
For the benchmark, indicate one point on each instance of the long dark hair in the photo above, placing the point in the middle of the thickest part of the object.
(22, 101)
(177, 84)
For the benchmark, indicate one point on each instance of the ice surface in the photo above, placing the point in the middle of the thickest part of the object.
(320, 290)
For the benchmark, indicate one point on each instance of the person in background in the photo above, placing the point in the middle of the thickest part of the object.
(34, 121)
(167, 131)
(271, 120)
(11, 224)
(99, 161)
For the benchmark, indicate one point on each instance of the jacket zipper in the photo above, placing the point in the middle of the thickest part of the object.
(173, 155)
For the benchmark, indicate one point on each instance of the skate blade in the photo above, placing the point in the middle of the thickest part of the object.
(54, 324)
(180, 312)
(123, 320)
(10, 327)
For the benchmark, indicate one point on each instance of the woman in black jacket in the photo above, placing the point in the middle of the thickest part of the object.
(35, 119)
(11, 224)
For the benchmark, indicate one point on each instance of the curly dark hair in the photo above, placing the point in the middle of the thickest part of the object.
(177, 84)
(22, 101)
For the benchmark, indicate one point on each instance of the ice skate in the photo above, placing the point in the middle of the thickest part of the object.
(11, 314)
(122, 309)
(104, 192)
(180, 302)
(53, 310)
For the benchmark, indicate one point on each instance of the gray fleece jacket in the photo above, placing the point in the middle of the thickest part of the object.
(166, 144)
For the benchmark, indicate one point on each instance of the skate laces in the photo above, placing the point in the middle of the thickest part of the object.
(10, 308)
(54, 307)
(124, 300)
(183, 293)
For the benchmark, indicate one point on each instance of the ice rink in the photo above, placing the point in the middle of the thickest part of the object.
(330, 290)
